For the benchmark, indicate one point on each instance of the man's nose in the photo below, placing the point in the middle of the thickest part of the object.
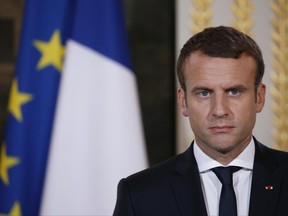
(220, 106)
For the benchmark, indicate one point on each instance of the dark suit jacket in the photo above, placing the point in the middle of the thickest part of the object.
(173, 187)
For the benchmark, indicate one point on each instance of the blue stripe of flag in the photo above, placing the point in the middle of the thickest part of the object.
(101, 35)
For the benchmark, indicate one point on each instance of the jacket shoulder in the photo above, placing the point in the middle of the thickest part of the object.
(164, 171)
(272, 157)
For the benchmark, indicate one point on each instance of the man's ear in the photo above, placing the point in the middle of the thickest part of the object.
(261, 90)
(181, 98)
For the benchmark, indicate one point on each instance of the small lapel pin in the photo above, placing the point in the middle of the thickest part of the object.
(269, 187)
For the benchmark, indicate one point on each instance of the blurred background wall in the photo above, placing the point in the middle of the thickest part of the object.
(10, 24)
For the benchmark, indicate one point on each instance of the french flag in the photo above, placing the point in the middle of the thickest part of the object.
(97, 135)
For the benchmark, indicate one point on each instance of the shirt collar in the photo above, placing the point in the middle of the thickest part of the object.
(245, 159)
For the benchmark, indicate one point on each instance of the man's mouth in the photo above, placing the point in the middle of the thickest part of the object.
(221, 129)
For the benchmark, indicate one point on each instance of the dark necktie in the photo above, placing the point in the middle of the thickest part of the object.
(227, 205)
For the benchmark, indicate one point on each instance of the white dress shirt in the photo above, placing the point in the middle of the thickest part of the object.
(211, 186)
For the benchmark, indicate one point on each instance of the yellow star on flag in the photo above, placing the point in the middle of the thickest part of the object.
(6, 163)
(52, 52)
(17, 99)
(15, 211)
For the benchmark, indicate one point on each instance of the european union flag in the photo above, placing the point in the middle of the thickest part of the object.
(23, 153)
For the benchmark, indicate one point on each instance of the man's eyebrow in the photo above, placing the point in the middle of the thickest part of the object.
(199, 88)
(241, 87)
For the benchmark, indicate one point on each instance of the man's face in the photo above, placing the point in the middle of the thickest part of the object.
(220, 102)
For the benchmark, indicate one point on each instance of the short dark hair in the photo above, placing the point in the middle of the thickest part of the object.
(224, 42)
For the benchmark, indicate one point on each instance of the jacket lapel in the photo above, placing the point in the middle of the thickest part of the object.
(187, 186)
(266, 182)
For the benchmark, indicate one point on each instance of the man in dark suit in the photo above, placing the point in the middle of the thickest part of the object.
(220, 73)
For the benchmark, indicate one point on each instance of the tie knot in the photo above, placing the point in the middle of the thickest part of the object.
(225, 174)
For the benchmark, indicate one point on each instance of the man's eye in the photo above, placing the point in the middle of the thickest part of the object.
(203, 93)
(234, 92)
